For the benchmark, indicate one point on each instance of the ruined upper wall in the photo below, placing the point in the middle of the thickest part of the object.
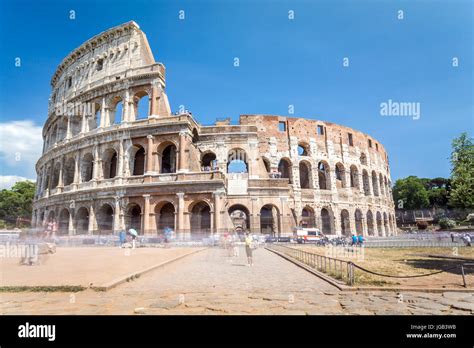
(111, 52)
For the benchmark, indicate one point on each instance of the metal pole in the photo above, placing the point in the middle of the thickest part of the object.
(463, 277)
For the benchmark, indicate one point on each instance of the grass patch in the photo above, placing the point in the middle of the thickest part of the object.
(61, 288)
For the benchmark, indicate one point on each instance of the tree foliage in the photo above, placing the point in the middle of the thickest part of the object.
(17, 201)
(462, 173)
(410, 193)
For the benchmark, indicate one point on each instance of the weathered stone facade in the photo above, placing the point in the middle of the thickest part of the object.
(108, 165)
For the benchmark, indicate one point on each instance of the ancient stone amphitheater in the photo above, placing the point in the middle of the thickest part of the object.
(116, 157)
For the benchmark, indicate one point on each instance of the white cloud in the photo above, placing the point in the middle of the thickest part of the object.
(21, 144)
(7, 181)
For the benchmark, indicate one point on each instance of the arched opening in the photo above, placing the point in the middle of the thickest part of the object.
(307, 218)
(326, 223)
(363, 159)
(237, 161)
(365, 182)
(345, 223)
(117, 111)
(208, 162)
(195, 136)
(269, 222)
(87, 167)
(385, 224)
(303, 149)
(105, 219)
(370, 223)
(133, 217)
(382, 191)
(82, 221)
(63, 223)
(358, 221)
(200, 218)
(138, 160)
(240, 217)
(110, 164)
(68, 171)
(284, 168)
(165, 217)
(94, 121)
(142, 105)
(168, 159)
(374, 184)
(354, 177)
(323, 176)
(386, 186)
(379, 224)
(305, 174)
(56, 173)
(75, 125)
(340, 176)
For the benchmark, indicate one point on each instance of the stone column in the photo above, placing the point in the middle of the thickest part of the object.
(126, 112)
(154, 99)
(60, 180)
(70, 223)
(120, 159)
(218, 195)
(180, 228)
(77, 176)
(146, 215)
(92, 222)
(182, 151)
(149, 155)
(117, 212)
(68, 130)
(96, 168)
(103, 114)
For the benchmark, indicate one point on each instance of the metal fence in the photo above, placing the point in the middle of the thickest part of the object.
(338, 269)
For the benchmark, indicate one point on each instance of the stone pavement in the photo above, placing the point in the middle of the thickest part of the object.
(210, 282)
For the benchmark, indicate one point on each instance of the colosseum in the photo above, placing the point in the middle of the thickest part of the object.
(116, 157)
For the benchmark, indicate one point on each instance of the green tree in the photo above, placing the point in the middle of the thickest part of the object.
(17, 201)
(410, 193)
(462, 173)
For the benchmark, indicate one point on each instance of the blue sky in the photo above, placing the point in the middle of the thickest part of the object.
(282, 62)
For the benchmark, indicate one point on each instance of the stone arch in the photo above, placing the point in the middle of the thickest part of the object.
(109, 160)
(324, 176)
(266, 163)
(370, 223)
(345, 223)
(240, 217)
(284, 167)
(133, 217)
(354, 177)
(375, 187)
(200, 217)
(56, 173)
(141, 105)
(308, 218)
(94, 121)
(385, 224)
(165, 214)
(382, 191)
(303, 149)
(340, 175)
(137, 162)
(116, 110)
(208, 161)
(87, 167)
(358, 218)
(63, 222)
(68, 171)
(269, 220)
(82, 220)
(167, 154)
(379, 224)
(363, 159)
(327, 221)
(237, 161)
(105, 219)
(305, 174)
(366, 182)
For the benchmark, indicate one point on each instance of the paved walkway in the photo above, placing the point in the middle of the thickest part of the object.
(210, 282)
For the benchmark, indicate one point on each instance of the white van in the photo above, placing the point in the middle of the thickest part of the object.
(308, 235)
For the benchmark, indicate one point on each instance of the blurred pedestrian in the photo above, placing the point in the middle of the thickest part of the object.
(248, 249)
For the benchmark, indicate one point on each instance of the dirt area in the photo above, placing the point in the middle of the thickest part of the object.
(405, 262)
(84, 266)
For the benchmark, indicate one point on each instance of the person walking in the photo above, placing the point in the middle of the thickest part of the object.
(452, 237)
(467, 239)
(248, 249)
(354, 239)
(361, 240)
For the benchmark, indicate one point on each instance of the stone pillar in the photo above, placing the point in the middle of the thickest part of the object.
(68, 130)
(126, 107)
(180, 228)
(120, 160)
(77, 176)
(149, 155)
(84, 120)
(117, 212)
(182, 151)
(254, 216)
(218, 196)
(92, 221)
(70, 224)
(154, 99)
(60, 180)
(146, 215)
(103, 114)
(96, 168)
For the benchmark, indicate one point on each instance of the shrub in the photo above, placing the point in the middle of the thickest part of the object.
(446, 223)
(422, 225)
